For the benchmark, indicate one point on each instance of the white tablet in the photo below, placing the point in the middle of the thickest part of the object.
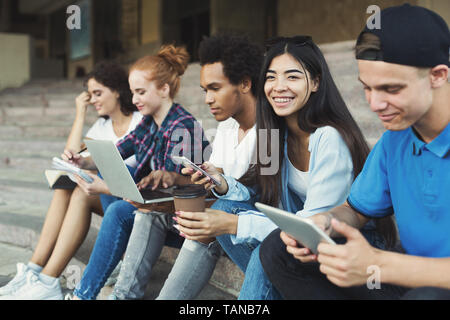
(303, 230)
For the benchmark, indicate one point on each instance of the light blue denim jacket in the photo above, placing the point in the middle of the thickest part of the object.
(330, 179)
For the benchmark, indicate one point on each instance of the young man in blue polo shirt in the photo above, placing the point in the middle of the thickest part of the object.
(404, 67)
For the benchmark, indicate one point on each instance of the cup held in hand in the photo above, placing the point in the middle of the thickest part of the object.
(189, 197)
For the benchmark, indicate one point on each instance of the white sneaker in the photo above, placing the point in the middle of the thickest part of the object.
(17, 282)
(35, 289)
(68, 296)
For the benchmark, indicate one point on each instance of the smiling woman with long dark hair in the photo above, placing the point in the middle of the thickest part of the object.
(321, 107)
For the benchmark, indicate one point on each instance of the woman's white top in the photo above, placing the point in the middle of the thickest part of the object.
(298, 181)
(102, 129)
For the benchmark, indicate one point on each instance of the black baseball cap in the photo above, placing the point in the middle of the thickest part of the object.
(410, 35)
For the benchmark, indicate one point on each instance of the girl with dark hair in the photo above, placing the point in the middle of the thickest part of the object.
(112, 76)
(69, 215)
(320, 150)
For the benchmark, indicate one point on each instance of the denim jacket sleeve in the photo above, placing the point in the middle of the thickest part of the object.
(330, 172)
(252, 225)
(236, 191)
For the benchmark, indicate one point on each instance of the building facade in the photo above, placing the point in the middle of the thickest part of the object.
(65, 38)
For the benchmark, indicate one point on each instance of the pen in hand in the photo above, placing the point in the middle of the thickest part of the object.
(84, 149)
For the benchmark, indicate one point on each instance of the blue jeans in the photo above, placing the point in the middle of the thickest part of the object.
(148, 237)
(109, 247)
(245, 255)
(257, 285)
(240, 253)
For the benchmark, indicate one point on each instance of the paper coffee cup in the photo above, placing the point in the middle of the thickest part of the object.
(189, 197)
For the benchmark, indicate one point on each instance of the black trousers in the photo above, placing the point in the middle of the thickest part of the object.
(304, 281)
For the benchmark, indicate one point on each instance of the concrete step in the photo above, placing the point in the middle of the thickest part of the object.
(33, 90)
(38, 131)
(32, 146)
(12, 254)
(24, 197)
(36, 117)
(23, 231)
(66, 101)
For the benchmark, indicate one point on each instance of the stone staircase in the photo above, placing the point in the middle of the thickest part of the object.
(36, 118)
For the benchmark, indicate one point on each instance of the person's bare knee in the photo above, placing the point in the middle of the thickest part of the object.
(79, 194)
(92, 202)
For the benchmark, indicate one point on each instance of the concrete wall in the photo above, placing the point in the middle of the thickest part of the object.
(130, 24)
(144, 25)
(150, 21)
(86, 63)
(140, 30)
(47, 68)
(15, 59)
(342, 20)
(239, 16)
(442, 7)
(327, 20)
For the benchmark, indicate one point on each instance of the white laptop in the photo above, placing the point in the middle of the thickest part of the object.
(303, 230)
(116, 175)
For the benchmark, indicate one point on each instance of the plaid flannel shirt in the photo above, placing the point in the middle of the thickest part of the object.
(180, 134)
